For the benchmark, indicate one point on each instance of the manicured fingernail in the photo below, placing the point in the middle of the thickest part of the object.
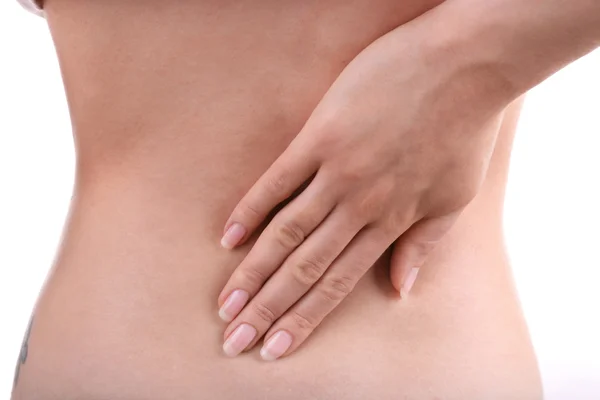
(409, 281)
(276, 346)
(233, 305)
(237, 342)
(232, 237)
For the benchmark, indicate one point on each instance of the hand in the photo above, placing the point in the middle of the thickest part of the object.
(397, 147)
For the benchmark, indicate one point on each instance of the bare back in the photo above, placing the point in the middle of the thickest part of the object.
(177, 109)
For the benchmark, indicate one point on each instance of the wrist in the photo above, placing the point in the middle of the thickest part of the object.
(470, 54)
(510, 45)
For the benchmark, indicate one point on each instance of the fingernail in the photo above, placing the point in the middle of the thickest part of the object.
(233, 305)
(232, 237)
(239, 340)
(409, 281)
(276, 346)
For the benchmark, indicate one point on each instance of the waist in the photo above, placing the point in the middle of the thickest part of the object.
(170, 134)
(130, 311)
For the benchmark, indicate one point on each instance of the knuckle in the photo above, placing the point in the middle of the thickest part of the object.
(369, 205)
(264, 312)
(303, 322)
(353, 216)
(289, 234)
(247, 210)
(308, 271)
(328, 127)
(392, 227)
(349, 175)
(424, 246)
(253, 277)
(366, 209)
(389, 228)
(397, 222)
(277, 183)
(337, 288)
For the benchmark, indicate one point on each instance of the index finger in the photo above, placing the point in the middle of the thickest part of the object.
(291, 169)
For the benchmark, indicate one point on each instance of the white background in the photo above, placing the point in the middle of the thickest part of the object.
(552, 206)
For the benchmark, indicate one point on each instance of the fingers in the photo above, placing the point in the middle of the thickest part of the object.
(295, 277)
(285, 232)
(412, 248)
(294, 167)
(292, 329)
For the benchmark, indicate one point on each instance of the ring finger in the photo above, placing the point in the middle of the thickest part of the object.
(297, 275)
(294, 327)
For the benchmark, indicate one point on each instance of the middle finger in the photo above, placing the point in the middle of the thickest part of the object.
(297, 275)
(284, 233)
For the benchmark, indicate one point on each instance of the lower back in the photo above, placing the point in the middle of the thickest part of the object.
(175, 117)
(129, 312)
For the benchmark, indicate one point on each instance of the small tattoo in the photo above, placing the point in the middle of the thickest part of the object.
(23, 354)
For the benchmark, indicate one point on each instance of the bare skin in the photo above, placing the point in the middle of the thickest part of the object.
(177, 110)
(392, 154)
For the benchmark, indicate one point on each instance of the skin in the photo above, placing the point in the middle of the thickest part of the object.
(173, 122)
(23, 353)
(396, 149)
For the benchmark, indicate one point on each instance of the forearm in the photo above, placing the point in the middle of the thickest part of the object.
(520, 41)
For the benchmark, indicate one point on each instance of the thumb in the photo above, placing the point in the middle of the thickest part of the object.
(410, 250)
